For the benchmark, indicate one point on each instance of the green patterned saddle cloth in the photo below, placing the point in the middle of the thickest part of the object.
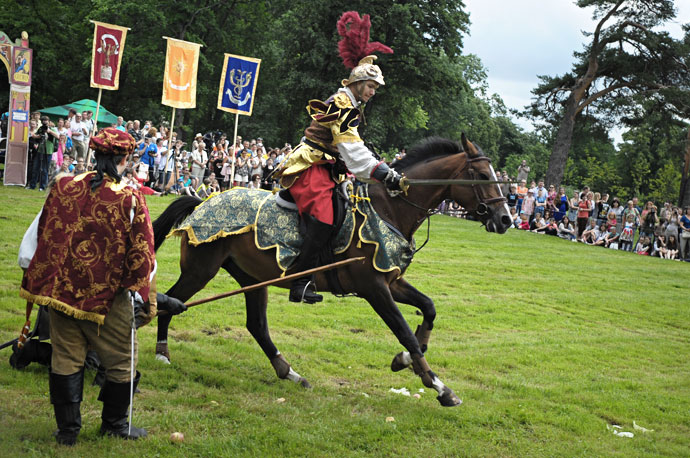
(241, 210)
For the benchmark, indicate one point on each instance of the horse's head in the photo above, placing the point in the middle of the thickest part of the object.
(483, 201)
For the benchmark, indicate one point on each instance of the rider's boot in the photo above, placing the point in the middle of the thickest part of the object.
(315, 237)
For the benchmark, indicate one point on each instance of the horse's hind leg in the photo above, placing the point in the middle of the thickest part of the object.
(257, 324)
(405, 293)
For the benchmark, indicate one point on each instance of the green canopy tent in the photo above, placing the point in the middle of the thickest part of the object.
(105, 118)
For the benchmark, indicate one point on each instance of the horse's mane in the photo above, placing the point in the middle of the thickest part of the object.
(427, 149)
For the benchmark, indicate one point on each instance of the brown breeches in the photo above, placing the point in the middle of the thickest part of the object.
(71, 338)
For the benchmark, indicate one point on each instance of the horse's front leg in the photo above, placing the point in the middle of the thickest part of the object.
(382, 302)
(405, 293)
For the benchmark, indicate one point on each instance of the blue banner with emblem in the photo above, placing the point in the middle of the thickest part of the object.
(238, 84)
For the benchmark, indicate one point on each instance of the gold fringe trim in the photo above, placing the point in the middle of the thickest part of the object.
(352, 235)
(373, 242)
(62, 307)
(218, 235)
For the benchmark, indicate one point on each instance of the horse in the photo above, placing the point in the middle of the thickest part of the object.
(433, 158)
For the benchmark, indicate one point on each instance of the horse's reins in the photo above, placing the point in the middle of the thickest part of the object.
(483, 203)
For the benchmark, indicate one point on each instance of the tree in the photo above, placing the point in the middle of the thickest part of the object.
(431, 87)
(625, 58)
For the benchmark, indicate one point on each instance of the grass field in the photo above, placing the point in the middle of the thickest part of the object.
(547, 342)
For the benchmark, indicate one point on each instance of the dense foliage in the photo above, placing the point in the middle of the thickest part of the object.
(432, 88)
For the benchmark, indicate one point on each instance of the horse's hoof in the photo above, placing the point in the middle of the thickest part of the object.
(397, 364)
(448, 398)
(305, 383)
(162, 358)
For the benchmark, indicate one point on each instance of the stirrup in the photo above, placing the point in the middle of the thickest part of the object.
(307, 295)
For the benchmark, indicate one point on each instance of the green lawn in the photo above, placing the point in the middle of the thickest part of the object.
(546, 341)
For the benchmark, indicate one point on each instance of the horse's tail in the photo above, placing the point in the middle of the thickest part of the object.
(172, 216)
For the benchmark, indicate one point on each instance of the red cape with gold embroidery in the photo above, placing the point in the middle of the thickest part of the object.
(90, 246)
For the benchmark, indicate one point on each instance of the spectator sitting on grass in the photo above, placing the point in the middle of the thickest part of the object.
(611, 239)
(602, 233)
(590, 235)
(549, 228)
(538, 223)
(672, 247)
(644, 246)
(659, 247)
(203, 190)
(185, 183)
(524, 221)
(565, 229)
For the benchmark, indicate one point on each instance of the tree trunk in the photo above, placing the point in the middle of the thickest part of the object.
(684, 200)
(564, 138)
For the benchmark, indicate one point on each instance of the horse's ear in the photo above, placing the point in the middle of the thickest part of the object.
(468, 147)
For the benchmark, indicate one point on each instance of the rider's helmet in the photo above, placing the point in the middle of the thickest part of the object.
(365, 70)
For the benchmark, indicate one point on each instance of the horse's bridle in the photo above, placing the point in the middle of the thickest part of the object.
(483, 205)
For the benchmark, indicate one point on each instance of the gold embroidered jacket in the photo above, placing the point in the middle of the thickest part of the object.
(91, 244)
(334, 122)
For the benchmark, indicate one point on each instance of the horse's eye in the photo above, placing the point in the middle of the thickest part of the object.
(483, 176)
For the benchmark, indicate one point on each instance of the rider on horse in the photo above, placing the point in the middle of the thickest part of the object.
(332, 145)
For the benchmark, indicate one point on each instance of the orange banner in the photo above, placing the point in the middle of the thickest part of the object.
(179, 79)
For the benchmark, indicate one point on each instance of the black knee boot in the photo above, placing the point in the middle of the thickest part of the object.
(315, 237)
(66, 396)
(115, 398)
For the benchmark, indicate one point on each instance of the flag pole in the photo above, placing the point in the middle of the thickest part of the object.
(234, 152)
(171, 151)
(95, 126)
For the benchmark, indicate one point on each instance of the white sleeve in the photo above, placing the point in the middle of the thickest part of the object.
(358, 159)
(27, 249)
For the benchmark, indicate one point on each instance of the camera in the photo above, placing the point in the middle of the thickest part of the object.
(43, 132)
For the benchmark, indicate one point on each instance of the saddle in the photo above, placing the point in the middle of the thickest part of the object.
(341, 205)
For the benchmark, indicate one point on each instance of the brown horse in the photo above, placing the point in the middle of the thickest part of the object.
(237, 254)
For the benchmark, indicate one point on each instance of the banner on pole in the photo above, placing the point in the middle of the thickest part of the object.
(106, 56)
(238, 84)
(179, 79)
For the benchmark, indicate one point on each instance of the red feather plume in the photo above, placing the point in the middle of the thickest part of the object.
(355, 42)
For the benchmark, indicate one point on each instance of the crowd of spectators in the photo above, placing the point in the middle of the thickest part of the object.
(593, 218)
(209, 163)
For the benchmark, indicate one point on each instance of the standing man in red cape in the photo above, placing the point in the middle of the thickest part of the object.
(94, 256)
(332, 145)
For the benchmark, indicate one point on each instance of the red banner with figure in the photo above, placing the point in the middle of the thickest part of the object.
(106, 56)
